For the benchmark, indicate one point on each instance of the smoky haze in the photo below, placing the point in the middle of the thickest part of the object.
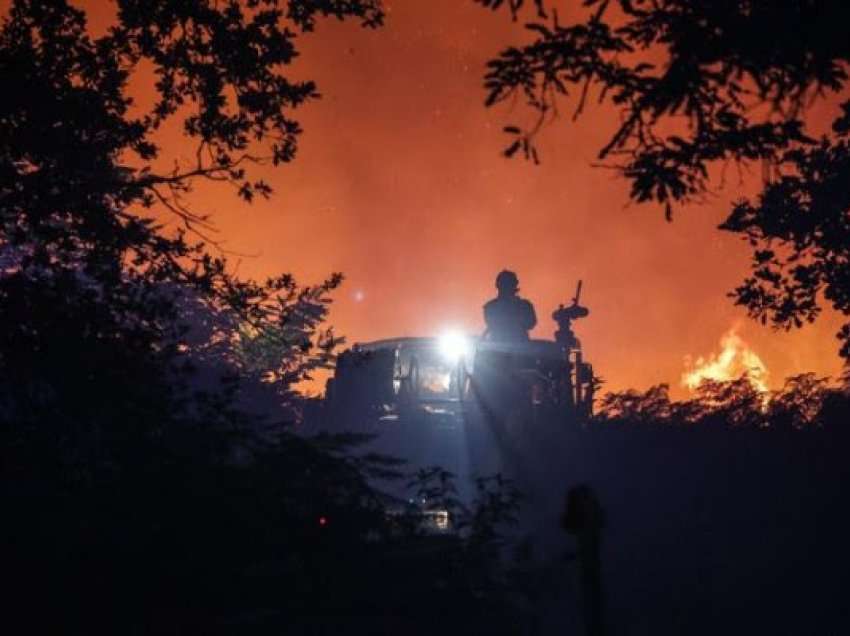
(400, 184)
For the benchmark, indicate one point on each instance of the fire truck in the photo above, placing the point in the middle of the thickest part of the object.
(444, 381)
(449, 380)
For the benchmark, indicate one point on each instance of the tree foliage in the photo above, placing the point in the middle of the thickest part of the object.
(805, 402)
(152, 481)
(104, 304)
(698, 84)
(81, 163)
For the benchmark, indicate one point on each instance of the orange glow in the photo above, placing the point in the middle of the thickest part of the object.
(734, 360)
(400, 184)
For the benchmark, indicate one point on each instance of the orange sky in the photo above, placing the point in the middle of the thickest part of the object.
(399, 184)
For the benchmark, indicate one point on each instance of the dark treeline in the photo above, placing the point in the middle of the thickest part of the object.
(805, 403)
(726, 513)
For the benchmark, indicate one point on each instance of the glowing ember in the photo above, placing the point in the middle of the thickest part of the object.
(734, 360)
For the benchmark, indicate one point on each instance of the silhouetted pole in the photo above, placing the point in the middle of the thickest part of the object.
(584, 519)
(579, 399)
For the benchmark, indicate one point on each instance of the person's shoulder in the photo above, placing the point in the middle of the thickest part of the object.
(526, 303)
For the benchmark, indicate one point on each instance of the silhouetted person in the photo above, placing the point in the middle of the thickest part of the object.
(584, 518)
(509, 318)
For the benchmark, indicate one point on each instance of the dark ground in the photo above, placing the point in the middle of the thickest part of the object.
(708, 531)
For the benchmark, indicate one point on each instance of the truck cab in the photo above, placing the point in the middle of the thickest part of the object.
(441, 381)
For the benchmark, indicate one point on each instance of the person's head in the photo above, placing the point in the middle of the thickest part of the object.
(507, 283)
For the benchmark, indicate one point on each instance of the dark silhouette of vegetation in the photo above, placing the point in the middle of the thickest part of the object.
(715, 505)
(805, 402)
(92, 270)
(702, 84)
(152, 479)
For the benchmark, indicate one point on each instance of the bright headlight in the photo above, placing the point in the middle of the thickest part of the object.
(454, 346)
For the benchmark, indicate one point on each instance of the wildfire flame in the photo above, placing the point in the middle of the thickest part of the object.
(735, 359)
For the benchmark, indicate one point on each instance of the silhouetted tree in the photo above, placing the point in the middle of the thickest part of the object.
(102, 306)
(735, 403)
(151, 479)
(835, 411)
(805, 402)
(89, 265)
(701, 83)
(631, 406)
(799, 403)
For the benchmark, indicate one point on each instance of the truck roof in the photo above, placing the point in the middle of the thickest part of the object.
(536, 347)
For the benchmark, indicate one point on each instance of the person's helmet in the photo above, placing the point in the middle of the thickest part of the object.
(507, 281)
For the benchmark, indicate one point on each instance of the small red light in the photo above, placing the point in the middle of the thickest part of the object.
(323, 521)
